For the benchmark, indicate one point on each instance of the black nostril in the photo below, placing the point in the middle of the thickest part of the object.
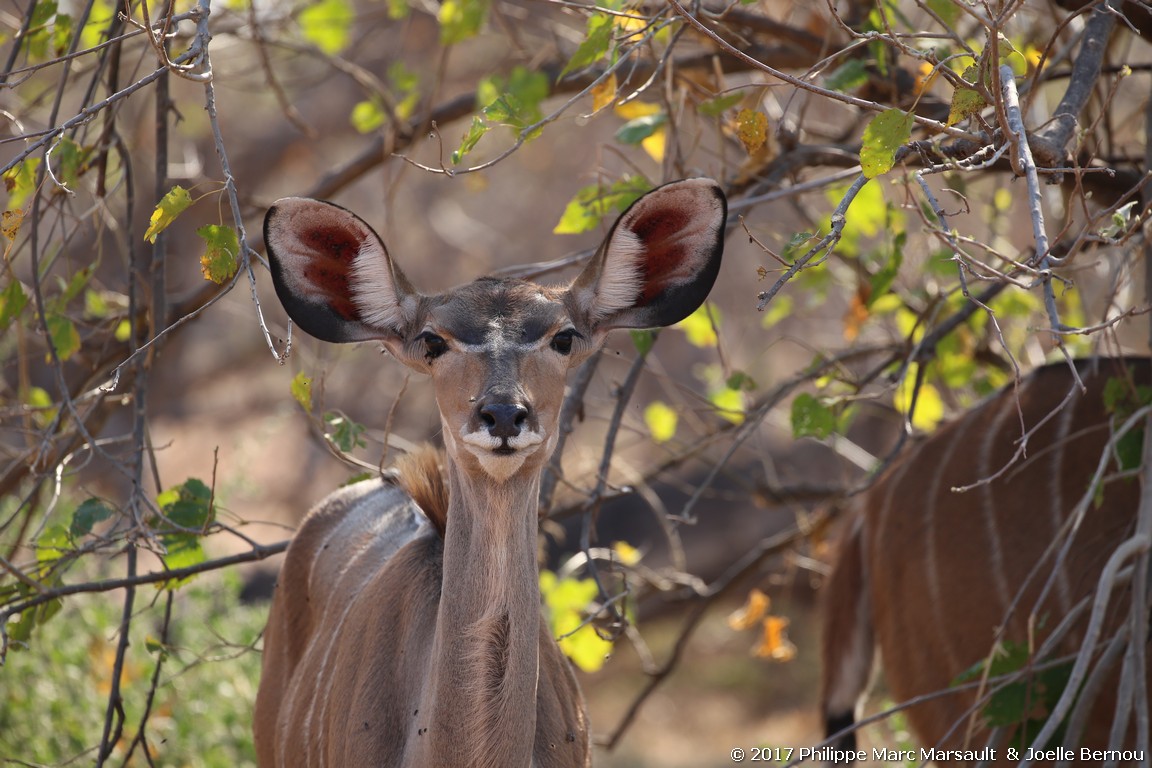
(503, 419)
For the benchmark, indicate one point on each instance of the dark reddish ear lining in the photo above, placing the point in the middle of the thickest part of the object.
(331, 271)
(660, 260)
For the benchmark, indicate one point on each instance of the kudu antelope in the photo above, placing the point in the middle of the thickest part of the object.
(408, 637)
(927, 575)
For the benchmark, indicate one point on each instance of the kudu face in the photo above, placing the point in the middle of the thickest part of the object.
(498, 350)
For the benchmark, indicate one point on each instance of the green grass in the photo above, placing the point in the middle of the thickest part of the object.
(53, 696)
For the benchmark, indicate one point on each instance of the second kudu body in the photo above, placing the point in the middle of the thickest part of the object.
(933, 579)
(399, 640)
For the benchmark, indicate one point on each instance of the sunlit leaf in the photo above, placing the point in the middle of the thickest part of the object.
(626, 553)
(366, 116)
(221, 256)
(53, 543)
(750, 614)
(461, 19)
(604, 93)
(174, 202)
(774, 643)
(475, 132)
(655, 144)
(327, 24)
(752, 129)
(301, 389)
(700, 326)
(661, 420)
(966, 101)
(929, 405)
(885, 134)
(729, 404)
(20, 181)
(597, 39)
(780, 308)
(591, 204)
(635, 109)
(566, 602)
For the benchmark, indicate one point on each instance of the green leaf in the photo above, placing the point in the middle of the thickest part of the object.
(327, 24)
(718, 105)
(475, 132)
(175, 202)
(948, 10)
(739, 380)
(344, 433)
(367, 116)
(591, 204)
(461, 19)
(301, 388)
(966, 101)
(188, 512)
(398, 9)
(597, 39)
(53, 544)
(849, 75)
(20, 181)
(186, 506)
(661, 420)
(811, 418)
(885, 134)
(220, 259)
(406, 84)
(84, 519)
(12, 303)
(882, 281)
(635, 131)
(70, 158)
(513, 101)
(780, 308)
(63, 335)
(643, 340)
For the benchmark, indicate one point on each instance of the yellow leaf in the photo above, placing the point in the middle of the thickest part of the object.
(654, 145)
(661, 421)
(754, 609)
(926, 77)
(729, 404)
(700, 326)
(929, 405)
(634, 23)
(635, 109)
(752, 129)
(774, 643)
(626, 553)
(604, 93)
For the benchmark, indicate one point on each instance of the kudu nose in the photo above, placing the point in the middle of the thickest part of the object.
(503, 420)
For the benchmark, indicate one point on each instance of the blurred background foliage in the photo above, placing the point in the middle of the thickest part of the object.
(889, 262)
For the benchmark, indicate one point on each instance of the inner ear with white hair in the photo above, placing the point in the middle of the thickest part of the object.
(659, 261)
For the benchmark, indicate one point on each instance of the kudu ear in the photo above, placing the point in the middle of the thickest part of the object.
(333, 274)
(660, 260)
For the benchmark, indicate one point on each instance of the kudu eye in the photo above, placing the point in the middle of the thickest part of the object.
(434, 345)
(562, 342)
